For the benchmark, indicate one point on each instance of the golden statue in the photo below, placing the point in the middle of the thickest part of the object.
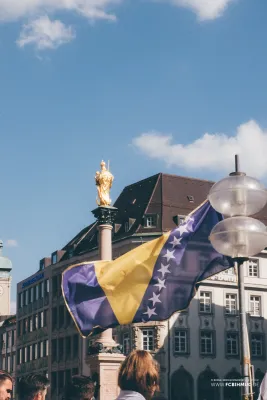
(103, 180)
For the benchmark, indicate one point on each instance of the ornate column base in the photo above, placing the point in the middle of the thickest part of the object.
(104, 368)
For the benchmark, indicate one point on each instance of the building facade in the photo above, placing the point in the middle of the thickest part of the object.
(8, 345)
(192, 347)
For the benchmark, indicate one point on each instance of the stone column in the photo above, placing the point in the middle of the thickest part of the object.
(105, 356)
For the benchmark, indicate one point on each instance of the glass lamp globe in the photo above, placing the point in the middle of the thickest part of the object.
(239, 237)
(238, 195)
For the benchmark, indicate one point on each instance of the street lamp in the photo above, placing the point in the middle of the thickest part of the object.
(240, 237)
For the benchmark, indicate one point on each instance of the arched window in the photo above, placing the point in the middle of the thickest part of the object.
(232, 392)
(182, 385)
(205, 388)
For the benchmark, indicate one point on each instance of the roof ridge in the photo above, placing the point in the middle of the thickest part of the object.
(142, 180)
(187, 177)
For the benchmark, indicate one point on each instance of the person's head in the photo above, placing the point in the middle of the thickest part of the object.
(6, 385)
(32, 387)
(139, 372)
(80, 388)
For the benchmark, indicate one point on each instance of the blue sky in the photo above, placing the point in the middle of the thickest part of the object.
(168, 86)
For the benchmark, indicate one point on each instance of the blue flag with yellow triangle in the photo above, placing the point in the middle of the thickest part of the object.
(149, 283)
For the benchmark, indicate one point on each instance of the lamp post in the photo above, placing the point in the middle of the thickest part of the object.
(239, 237)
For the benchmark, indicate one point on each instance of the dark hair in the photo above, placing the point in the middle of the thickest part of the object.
(139, 372)
(4, 376)
(81, 387)
(29, 386)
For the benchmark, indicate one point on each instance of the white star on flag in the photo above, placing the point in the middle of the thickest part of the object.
(169, 255)
(182, 229)
(161, 284)
(164, 270)
(155, 298)
(150, 312)
(176, 241)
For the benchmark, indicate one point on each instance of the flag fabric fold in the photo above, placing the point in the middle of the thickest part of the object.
(149, 283)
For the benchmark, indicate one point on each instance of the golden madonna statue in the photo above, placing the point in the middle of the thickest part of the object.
(103, 180)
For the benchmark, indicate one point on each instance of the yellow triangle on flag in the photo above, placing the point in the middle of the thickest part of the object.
(125, 280)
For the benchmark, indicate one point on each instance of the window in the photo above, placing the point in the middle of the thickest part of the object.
(148, 339)
(54, 258)
(75, 348)
(54, 318)
(255, 306)
(205, 302)
(67, 347)
(61, 316)
(42, 265)
(126, 343)
(24, 298)
(54, 350)
(35, 322)
(53, 382)
(256, 345)
(35, 351)
(126, 226)
(230, 304)
(253, 268)
(232, 344)
(46, 287)
(60, 349)
(206, 343)
(180, 342)
(20, 300)
(14, 362)
(41, 290)
(8, 363)
(60, 380)
(54, 285)
(179, 219)
(32, 295)
(13, 339)
(9, 339)
(28, 353)
(150, 221)
(41, 320)
(190, 199)
(46, 348)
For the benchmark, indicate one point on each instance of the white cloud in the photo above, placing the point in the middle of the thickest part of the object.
(205, 9)
(13, 307)
(11, 243)
(213, 152)
(11, 10)
(45, 34)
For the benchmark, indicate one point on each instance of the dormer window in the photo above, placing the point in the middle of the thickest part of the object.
(54, 258)
(190, 199)
(42, 265)
(150, 221)
(179, 219)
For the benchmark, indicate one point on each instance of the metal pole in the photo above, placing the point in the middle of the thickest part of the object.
(244, 345)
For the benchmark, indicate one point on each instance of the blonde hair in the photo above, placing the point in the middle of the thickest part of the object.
(139, 372)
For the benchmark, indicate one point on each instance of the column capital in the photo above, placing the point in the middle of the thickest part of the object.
(105, 215)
